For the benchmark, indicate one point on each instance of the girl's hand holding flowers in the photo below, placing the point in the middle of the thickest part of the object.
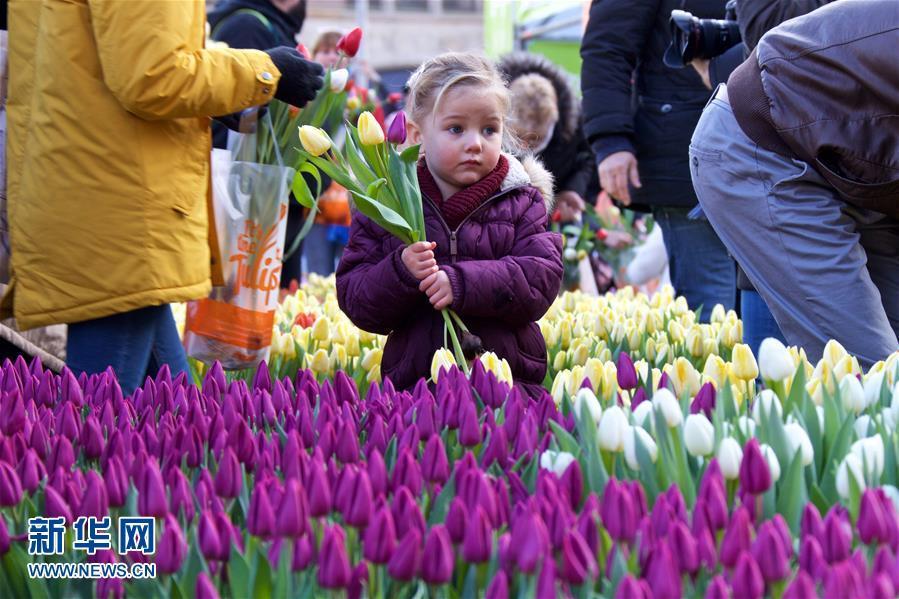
(440, 292)
(419, 259)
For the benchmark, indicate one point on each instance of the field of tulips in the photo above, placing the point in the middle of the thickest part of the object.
(665, 460)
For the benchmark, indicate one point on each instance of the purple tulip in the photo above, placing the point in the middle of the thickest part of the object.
(631, 588)
(717, 588)
(172, 548)
(578, 562)
(95, 501)
(209, 540)
(499, 586)
(303, 554)
(497, 448)
(348, 444)
(837, 538)
(747, 580)
(333, 564)
(617, 512)
(572, 482)
(438, 561)
(811, 558)
(469, 427)
(261, 517)
(359, 508)
(13, 418)
(116, 480)
(811, 523)
(229, 478)
(755, 476)
(31, 471)
(10, 486)
(843, 580)
(770, 554)
(434, 464)
(407, 473)
(704, 401)
(406, 513)
(627, 374)
(662, 574)
(705, 547)
(880, 586)
(319, 490)
(396, 133)
(405, 561)
(457, 520)
(530, 541)
(684, 547)
(151, 500)
(546, 582)
(55, 506)
(204, 588)
(737, 538)
(292, 519)
(885, 563)
(377, 473)
(872, 521)
(478, 540)
(802, 587)
(380, 537)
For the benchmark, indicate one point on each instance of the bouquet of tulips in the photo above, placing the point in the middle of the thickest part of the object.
(384, 185)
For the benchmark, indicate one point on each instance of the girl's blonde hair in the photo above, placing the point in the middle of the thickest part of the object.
(435, 77)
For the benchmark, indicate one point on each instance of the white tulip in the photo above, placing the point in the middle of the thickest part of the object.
(872, 388)
(852, 464)
(699, 435)
(768, 400)
(820, 411)
(630, 446)
(773, 463)
(556, 461)
(612, 428)
(889, 419)
(853, 394)
(730, 456)
(570, 254)
(586, 399)
(746, 426)
(775, 362)
(894, 402)
(665, 401)
(338, 80)
(870, 453)
(642, 412)
(799, 441)
(861, 425)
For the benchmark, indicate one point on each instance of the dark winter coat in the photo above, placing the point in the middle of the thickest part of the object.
(623, 48)
(505, 272)
(238, 24)
(568, 155)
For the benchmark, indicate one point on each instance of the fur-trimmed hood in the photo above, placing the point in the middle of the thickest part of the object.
(530, 171)
(512, 66)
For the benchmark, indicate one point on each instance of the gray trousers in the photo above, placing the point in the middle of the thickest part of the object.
(826, 269)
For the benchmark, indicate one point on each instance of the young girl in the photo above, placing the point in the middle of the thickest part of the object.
(488, 256)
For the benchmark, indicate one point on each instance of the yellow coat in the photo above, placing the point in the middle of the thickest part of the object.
(108, 152)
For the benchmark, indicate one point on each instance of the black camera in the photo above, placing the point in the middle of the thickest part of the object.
(700, 38)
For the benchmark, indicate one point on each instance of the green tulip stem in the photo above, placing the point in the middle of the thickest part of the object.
(457, 347)
(458, 320)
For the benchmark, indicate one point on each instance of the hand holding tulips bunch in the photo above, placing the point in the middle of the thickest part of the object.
(384, 185)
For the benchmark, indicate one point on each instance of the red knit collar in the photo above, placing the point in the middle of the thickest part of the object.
(465, 201)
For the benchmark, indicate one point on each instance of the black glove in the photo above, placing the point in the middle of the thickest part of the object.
(232, 121)
(300, 78)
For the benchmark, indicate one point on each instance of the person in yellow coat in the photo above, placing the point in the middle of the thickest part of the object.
(109, 141)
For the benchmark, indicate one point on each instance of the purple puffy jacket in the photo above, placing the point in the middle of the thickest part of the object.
(505, 269)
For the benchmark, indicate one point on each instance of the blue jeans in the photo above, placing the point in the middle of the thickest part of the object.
(758, 322)
(323, 249)
(701, 269)
(136, 344)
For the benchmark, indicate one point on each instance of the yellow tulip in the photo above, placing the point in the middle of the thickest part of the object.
(374, 375)
(675, 332)
(321, 330)
(693, 342)
(338, 357)
(718, 313)
(684, 377)
(559, 385)
(372, 358)
(443, 360)
(680, 306)
(744, 365)
(833, 352)
(319, 362)
(353, 103)
(370, 132)
(715, 369)
(560, 361)
(352, 345)
(498, 366)
(314, 140)
(579, 353)
(593, 370)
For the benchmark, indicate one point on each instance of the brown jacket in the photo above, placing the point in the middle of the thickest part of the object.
(824, 88)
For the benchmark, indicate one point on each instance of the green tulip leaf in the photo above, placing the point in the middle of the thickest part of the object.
(410, 154)
(385, 217)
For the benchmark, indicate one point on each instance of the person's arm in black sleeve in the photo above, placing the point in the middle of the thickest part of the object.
(579, 181)
(720, 67)
(244, 30)
(756, 17)
(616, 34)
